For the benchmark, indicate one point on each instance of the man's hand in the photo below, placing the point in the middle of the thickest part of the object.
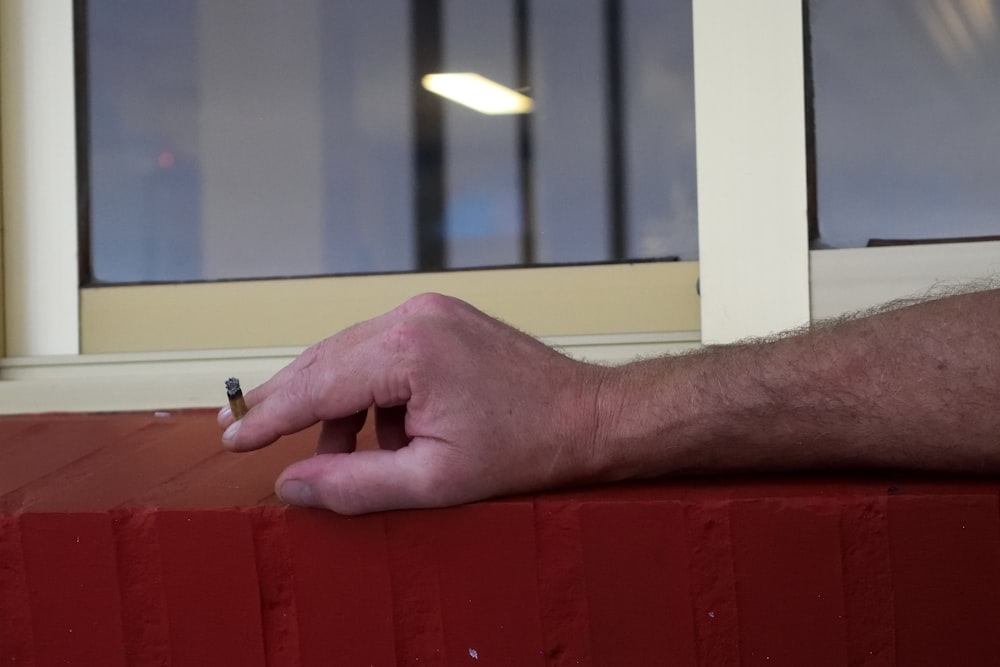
(468, 408)
(465, 408)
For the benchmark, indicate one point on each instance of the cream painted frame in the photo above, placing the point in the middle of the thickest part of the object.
(752, 191)
(2, 309)
(554, 301)
(39, 177)
(2, 312)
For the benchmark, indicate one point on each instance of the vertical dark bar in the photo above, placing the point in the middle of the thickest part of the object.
(522, 36)
(810, 91)
(615, 130)
(82, 109)
(428, 136)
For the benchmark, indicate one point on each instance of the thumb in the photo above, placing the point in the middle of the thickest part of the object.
(360, 482)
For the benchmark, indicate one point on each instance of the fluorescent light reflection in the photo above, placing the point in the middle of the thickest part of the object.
(477, 92)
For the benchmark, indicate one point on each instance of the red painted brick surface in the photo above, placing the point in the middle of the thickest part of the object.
(485, 559)
(16, 639)
(787, 559)
(155, 548)
(945, 552)
(867, 574)
(638, 583)
(713, 580)
(210, 587)
(340, 579)
(71, 574)
(140, 580)
(562, 583)
(278, 608)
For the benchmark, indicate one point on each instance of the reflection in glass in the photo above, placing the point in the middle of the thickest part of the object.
(906, 124)
(299, 139)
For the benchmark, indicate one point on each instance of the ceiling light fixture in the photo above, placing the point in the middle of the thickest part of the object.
(477, 92)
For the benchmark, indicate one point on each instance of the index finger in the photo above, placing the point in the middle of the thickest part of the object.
(336, 378)
(350, 336)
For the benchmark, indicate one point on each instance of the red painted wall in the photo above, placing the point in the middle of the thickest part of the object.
(147, 546)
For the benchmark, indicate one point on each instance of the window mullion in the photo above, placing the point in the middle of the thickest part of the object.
(39, 177)
(752, 193)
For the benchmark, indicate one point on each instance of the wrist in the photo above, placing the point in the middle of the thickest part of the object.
(639, 427)
(626, 422)
(613, 442)
(578, 441)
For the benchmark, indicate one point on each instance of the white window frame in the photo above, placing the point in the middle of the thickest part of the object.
(39, 177)
(751, 190)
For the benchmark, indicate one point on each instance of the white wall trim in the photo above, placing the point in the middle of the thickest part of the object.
(37, 109)
(848, 280)
(752, 191)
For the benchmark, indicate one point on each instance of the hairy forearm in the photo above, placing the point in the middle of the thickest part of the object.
(916, 387)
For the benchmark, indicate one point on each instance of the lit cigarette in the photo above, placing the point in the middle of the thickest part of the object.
(236, 402)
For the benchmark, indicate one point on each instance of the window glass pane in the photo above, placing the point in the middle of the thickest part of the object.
(483, 208)
(906, 124)
(265, 138)
(661, 191)
(572, 164)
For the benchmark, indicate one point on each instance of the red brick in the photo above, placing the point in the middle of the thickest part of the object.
(864, 530)
(113, 475)
(33, 449)
(945, 554)
(73, 589)
(279, 616)
(416, 590)
(211, 590)
(488, 580)
(713, 581)
(140, 578)
(789, 586)
(638, 583)
(562, 582)
(16, 645)
(226, 479)
(341, 582)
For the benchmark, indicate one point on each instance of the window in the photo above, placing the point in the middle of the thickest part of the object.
(907, 143)
(907, 134)
(748, 73)
(297, 141)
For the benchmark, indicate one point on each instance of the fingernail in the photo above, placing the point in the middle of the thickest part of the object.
(225, 413)
(295, 492)
(229, 435)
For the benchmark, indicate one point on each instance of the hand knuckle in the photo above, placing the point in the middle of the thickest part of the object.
(408, 338)
(431, 303)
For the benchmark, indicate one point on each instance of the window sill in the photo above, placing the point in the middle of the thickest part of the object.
(175, 380)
